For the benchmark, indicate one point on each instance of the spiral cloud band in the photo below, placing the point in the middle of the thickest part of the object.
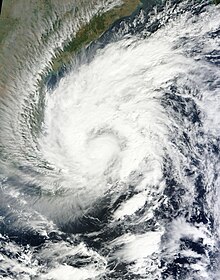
(111, 171)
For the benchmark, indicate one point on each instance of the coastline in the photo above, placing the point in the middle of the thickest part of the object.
(92, 31)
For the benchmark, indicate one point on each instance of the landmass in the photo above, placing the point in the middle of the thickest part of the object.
(88, 33)
(92, 31)
(14, 14)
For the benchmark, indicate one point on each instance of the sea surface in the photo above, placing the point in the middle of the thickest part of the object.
(109, 168)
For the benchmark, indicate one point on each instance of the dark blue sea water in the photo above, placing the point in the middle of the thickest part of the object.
(110, 167)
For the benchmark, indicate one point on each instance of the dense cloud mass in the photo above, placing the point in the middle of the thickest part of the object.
(109, 168)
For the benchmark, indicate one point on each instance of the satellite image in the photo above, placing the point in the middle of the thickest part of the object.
(110, 140)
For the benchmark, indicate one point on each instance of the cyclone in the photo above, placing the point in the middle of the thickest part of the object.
(110, 166)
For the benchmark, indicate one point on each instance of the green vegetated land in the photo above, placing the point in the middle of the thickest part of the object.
(91, 31)
(14, 14)
(6, 22)
(88, 33)
(6, 25)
